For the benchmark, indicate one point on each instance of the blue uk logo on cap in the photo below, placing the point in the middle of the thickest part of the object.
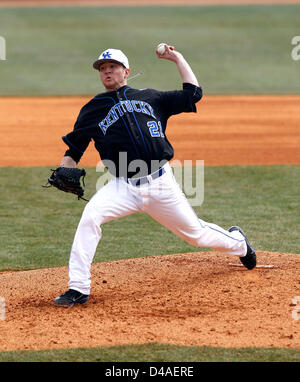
(106, 54)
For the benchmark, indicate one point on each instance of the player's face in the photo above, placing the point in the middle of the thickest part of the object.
(113, 75)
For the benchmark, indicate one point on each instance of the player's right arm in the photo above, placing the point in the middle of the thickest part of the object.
(77, 142)
(68, 161)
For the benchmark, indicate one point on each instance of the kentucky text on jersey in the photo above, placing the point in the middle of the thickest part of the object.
(122, 107)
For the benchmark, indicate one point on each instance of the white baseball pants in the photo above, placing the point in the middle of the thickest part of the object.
(164, 201)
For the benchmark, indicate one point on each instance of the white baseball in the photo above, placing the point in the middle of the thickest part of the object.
(161, 48)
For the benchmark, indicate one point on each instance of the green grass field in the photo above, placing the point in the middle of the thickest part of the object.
(154, 353)
(232, 49)
(40, 223)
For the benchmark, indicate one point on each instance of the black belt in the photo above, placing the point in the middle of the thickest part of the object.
(145, 179)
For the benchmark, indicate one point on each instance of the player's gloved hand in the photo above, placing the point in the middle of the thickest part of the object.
(68, 180)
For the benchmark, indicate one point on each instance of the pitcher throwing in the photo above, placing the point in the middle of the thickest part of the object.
(127, 123)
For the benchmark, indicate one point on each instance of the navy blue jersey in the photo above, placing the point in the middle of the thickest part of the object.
(132, 122)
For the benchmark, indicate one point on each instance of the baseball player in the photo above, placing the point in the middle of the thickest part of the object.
(127, 123)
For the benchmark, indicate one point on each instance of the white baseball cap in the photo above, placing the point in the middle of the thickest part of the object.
(111, 55)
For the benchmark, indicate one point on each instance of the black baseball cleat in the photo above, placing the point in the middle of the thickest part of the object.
(70, 298)
(249, 261)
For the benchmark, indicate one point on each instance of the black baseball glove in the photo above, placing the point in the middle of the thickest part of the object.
(68, 180)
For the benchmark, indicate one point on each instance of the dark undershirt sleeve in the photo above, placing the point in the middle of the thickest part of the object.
(78, 141)
(181, 101)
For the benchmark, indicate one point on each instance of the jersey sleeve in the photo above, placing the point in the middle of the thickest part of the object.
(181, 101)
(77, 140)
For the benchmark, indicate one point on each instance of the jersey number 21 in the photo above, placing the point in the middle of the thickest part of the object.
(155, 129)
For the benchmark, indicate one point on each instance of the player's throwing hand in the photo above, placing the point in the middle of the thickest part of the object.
(169, 52)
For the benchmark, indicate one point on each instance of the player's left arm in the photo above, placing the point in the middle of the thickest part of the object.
(176, 102)
(185, 71)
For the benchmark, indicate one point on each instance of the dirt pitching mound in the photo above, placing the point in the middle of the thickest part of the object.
(185, 299)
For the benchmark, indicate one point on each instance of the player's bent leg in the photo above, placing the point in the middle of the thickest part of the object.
(171, 209)
(111, 202)
(202, 234)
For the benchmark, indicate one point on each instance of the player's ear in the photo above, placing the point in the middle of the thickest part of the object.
(126, 73)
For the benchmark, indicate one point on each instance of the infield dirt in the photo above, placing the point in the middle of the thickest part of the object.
(183, 299)
(226, 130)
